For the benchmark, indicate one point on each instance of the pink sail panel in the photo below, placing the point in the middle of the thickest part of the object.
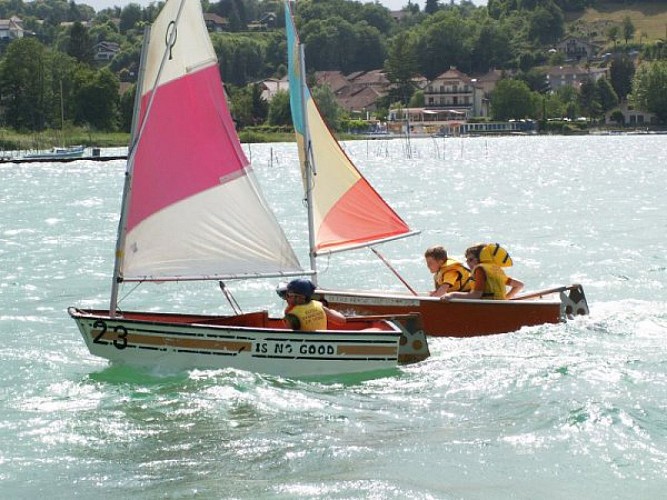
(187, 146)
(359, 216)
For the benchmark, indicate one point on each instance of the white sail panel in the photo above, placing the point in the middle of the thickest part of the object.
(181, 30)
(222, 231)
(335, 173)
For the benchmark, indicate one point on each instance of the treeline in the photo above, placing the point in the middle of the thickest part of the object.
(52, 72)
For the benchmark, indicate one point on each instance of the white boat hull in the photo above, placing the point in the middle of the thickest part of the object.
(182, 342)
(56, 153)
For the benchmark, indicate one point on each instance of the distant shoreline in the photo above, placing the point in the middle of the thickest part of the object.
(14, 144)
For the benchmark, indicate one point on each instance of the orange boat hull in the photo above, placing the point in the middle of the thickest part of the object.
(462, 318)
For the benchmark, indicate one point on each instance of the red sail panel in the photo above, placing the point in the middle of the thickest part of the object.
(359, 216)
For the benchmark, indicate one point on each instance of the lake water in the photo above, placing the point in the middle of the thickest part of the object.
(575, 410)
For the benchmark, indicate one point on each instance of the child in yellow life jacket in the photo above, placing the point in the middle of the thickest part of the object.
(490, 281)
(449, 275)
(303, 313)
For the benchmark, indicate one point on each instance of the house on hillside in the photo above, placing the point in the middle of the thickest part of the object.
(361, 100)
(268, 21)
(399, 15)
(454, 90)
(105, 51)
(215, 23)
(488, 81)
(420, 82)
(576, 49)
(11, 29)
(376, 79)
(335, 80)
(487, 84)
(558, 76)
(357, 92)
(69, 24)
(271, 86)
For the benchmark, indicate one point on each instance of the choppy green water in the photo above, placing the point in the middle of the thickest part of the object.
(576, 410)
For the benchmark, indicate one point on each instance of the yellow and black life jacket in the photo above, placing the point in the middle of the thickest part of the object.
(496, 279)
(463, 278)
(310, 316)
(495, 254)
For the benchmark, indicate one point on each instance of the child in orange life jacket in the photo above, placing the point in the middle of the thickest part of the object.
(490, 281)
(303, 313)
(449, 275)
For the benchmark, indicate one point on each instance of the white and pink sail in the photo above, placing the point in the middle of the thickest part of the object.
(193, 209)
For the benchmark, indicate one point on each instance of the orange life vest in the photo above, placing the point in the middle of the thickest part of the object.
(462, 281)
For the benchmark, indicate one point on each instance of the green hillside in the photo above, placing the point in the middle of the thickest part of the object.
(649, 19)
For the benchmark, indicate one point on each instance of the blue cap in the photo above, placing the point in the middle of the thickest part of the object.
(301, 287)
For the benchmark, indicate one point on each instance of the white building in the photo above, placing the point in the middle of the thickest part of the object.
(11, 29)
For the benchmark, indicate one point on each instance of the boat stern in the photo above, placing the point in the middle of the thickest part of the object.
(412, 346)
(573, 302)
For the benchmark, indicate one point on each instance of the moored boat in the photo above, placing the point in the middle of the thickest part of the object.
(57, 153)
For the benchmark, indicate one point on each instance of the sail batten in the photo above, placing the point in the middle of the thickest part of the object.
(361, 244)
(195, 208)
(218, 277)
(346, 210)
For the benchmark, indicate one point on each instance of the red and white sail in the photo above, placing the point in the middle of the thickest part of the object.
(347, 212)
(193, 209)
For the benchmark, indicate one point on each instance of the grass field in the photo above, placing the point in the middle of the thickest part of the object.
(11, 140)
(649, 19)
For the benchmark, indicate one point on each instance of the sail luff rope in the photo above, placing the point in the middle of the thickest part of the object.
(127, 189)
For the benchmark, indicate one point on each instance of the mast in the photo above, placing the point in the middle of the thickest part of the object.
(309, 165)
(62, 114)
(134, 139)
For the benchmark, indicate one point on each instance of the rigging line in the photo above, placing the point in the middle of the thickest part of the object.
(129, 292)
(393, 270)
(328, 263)
(230, 298)
(165, 56)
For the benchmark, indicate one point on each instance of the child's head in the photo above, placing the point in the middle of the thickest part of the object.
(299, 291)
(472, 254)
(435, 257)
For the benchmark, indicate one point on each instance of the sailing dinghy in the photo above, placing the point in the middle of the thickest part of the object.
(345, 213)
(192, 210)
(57, 153)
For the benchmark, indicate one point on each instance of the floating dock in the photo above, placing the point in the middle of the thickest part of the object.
(61, 160)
